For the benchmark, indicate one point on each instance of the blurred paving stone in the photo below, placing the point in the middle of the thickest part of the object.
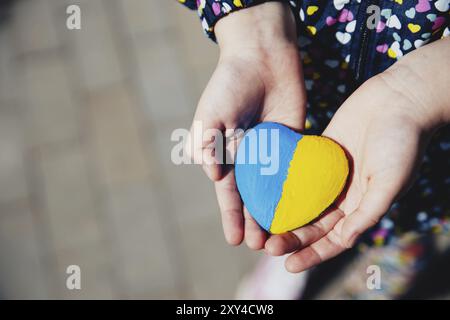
(145, 16)
(191, 193)
(9, 89)
(198, 50)
(21, 270)
(13, 184)
(51, 113)
(94, 49)
(96, 277)
(115, 137)
(162, 79)
(33, 26)
(214, 267)
(200, 76)
(69, 198)
(139, 226)
(200, 55)
(147, 266)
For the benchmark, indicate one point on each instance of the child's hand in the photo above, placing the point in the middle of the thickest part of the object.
(384, 126)
(258, 78)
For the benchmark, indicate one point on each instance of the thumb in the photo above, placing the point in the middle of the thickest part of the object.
(374, 204)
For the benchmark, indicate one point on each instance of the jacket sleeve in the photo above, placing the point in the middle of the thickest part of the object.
(211, 11)
(191, 4)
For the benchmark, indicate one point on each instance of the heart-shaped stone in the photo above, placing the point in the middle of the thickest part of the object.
(286, 179)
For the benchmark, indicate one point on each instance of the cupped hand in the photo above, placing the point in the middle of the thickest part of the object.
(384, 127)
(258, 78)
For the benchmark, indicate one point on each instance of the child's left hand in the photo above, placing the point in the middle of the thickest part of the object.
(384, 126)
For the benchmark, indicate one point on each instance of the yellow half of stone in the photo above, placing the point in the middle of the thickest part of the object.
(316, 176)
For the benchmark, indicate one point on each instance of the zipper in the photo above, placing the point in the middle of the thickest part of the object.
(364, 42)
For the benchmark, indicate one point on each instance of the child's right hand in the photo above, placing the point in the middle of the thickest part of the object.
(258, 78)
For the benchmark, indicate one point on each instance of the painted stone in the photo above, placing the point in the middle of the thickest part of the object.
(286, 179)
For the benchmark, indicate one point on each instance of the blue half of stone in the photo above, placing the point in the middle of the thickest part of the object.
(261, 167)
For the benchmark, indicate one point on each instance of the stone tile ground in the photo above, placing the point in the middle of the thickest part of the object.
(85, 176)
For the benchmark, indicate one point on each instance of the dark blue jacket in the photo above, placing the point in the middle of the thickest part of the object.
(369, 35)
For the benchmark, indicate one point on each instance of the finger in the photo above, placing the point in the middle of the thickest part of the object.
(204, 145)
(211, 164)
(255, 236)
(374, 204)
(324, 249)
(288, 242)
(231, 208)
(233, 137)
(280, 244)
